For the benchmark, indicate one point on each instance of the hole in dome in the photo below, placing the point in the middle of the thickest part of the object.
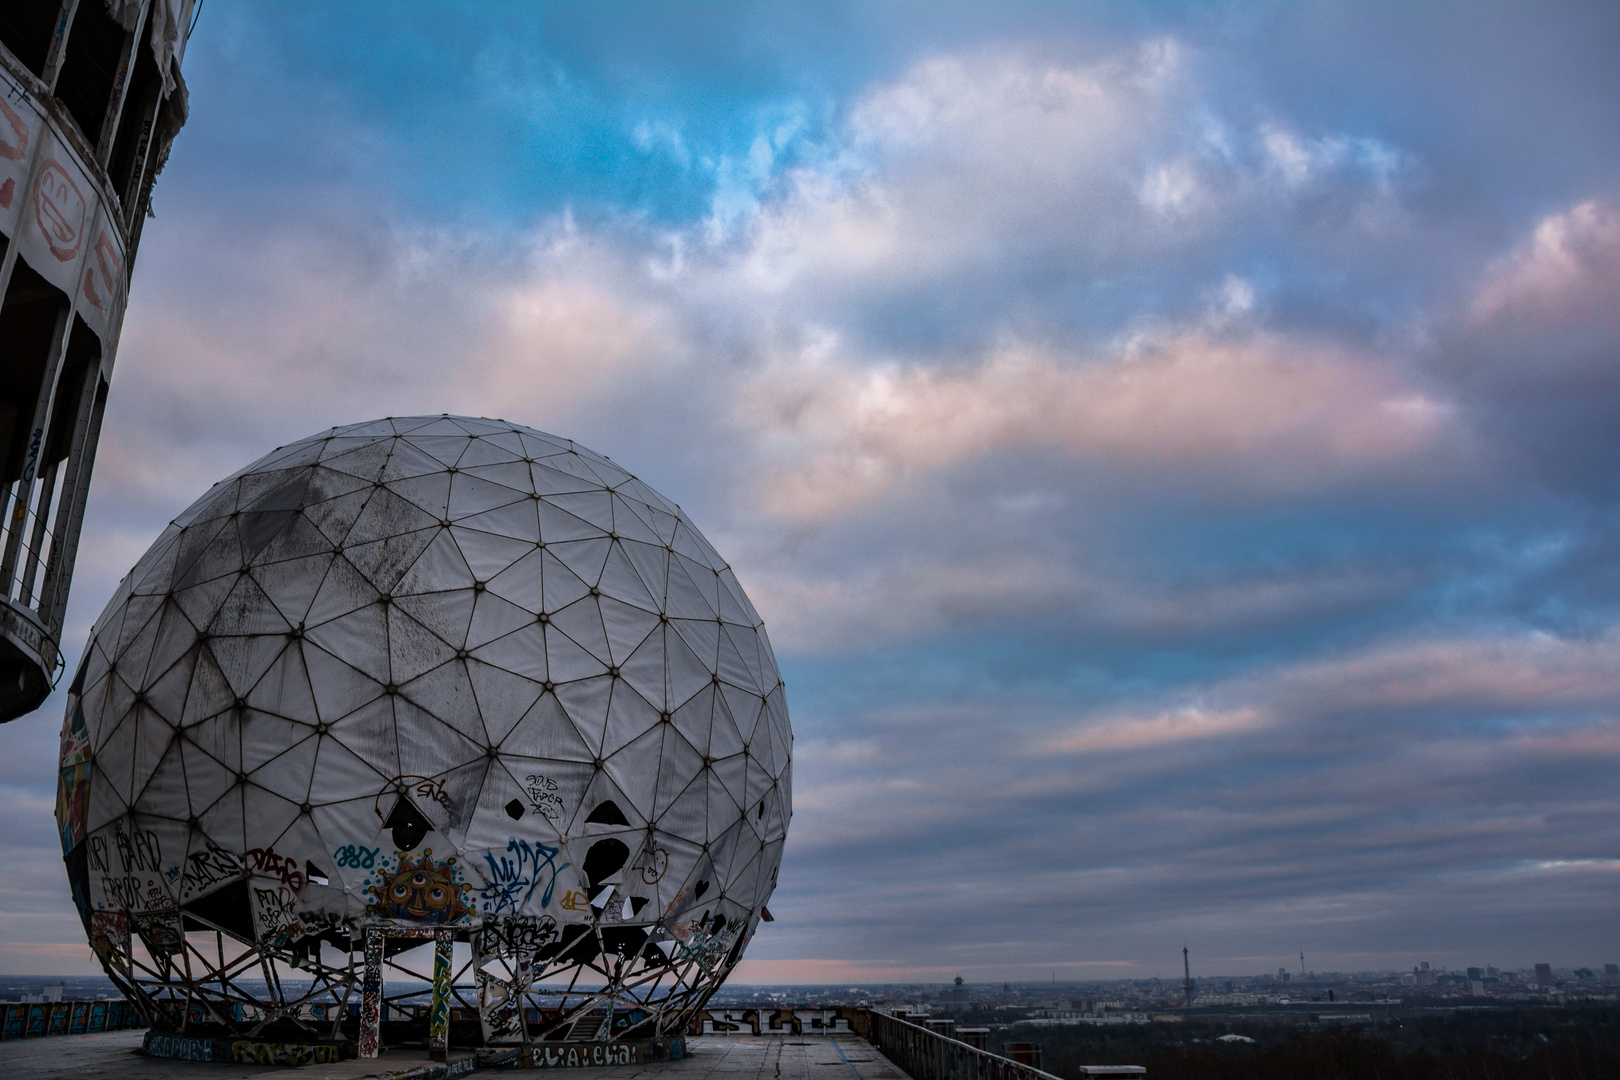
(407, 823)
(702, 887)
(606, 858)
(625, 941)
(637, 903)
(314, 873)
(608, 813)
(514, 809)
(228, 908)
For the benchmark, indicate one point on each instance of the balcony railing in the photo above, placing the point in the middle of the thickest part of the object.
(927, 1054)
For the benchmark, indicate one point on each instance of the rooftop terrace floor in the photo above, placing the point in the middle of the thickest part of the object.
(711, 1057)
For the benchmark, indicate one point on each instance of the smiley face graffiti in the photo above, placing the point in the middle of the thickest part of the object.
(59, 210)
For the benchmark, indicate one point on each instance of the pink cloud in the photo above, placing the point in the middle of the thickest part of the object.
(1286, 413)
(1569, 269)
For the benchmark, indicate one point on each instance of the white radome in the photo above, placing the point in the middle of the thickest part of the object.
(433, 671)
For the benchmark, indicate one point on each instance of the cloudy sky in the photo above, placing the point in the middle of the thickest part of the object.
(1175, 448)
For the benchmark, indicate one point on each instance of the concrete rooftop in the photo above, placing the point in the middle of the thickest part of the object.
(711, 1057)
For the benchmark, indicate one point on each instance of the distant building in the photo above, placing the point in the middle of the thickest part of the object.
(955, 995)
(1544, 974)
(1611, 970)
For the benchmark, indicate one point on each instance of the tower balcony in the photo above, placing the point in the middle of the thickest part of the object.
(90, 99)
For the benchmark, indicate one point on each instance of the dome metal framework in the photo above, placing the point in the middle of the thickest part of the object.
(416, 682)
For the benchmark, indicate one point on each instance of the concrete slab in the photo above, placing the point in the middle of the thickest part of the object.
(753, 1057)
(712, 1057)
(115, 1055)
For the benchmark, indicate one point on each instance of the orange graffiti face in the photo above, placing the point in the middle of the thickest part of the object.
(422, 892)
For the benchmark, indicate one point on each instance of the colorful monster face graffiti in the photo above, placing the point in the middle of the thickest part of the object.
(420, 891)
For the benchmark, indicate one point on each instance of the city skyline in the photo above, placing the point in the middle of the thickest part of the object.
(1171, 446)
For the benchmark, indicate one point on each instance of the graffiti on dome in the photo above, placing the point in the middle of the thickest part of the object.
(515, 936)
(515, 875)
(266, 861)
(207, 868)
(421, 890)
(273, 908)
(654, 864)
(542, 792)
(96, 854)
(137, 850)
(109, 934)
(356, 856)
(423, 787)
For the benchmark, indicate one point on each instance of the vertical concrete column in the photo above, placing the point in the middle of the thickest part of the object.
(371, 995)
(439, 1018)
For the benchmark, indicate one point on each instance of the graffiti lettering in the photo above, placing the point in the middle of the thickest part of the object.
(542, 791)
(97, 854)
(275, 909)
(138, 851)
(260, 1053)
(434, 789)
(516, 937)
(421, 786)
(28, 467)
(123, 892)
(512, 880)
(359, 858)
(573, 900)
(574, 1057)
(266, 861)
(204, 869)
(179, 1047)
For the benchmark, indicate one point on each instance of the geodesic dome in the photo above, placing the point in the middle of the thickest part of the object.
(433, 672)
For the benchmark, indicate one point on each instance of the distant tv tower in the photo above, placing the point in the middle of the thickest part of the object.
(1186, 976)
(1302, 963)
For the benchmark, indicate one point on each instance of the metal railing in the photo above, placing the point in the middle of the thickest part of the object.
(925, 1054)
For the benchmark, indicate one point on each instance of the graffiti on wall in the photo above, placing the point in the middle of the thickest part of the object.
(244, 1052)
